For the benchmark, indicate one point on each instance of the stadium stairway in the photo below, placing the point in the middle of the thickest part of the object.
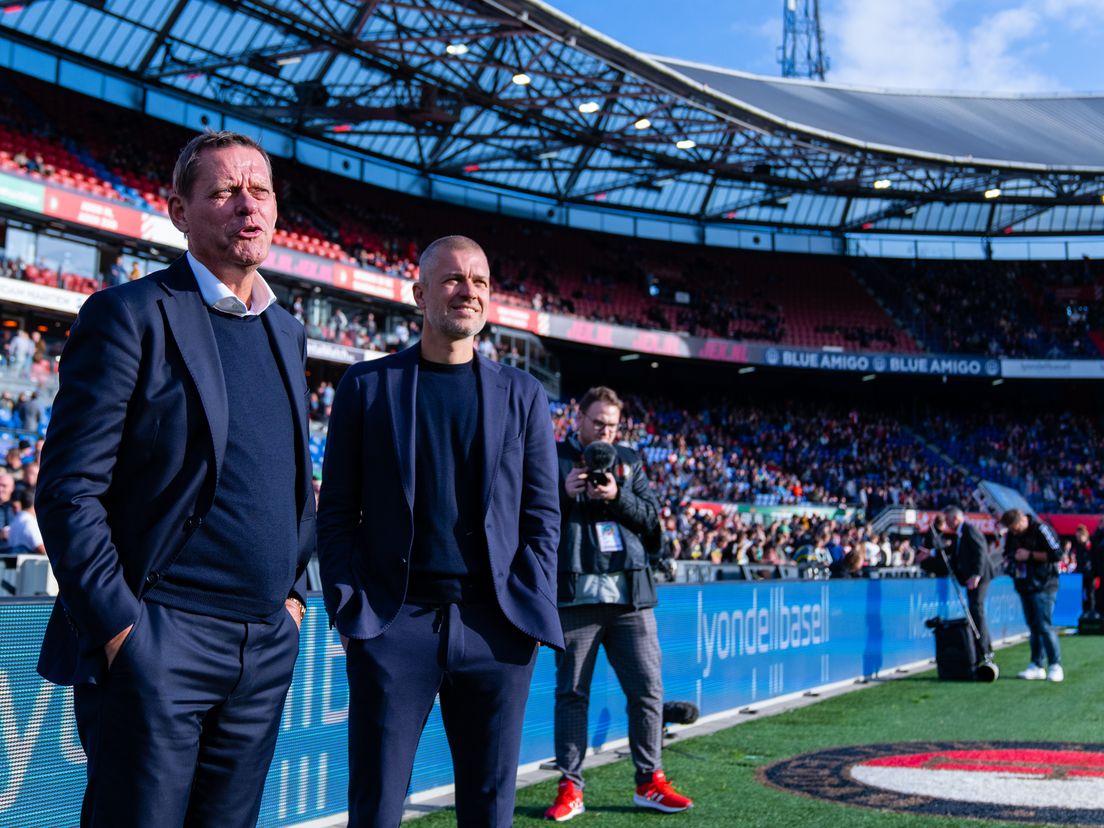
(906, 333)
(937, 452)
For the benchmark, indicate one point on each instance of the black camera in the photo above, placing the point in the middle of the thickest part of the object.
(599, 459)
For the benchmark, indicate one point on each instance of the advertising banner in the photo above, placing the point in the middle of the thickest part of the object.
(368, 282)
(986, 523)
(725, 646)
(761, 514)
(344, 354)
(41, 296)
(159, 230)
(91, 212)
(1053, 368)
(876, 363)
(511, 316)
(22, 193)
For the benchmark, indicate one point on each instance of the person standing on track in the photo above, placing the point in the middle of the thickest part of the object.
(1033, 552)
(971, 565)
(606, 596)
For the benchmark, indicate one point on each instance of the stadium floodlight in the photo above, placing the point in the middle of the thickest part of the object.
(869, 377)
(883, 184)
(747, 369)
(522, 79)
(548, 155)
(686, 143)
(643, 123)
(589, 107)
(456, 49)
(993, 192)
(290, 60)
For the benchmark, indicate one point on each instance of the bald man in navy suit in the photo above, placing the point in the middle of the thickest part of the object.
(438, 527)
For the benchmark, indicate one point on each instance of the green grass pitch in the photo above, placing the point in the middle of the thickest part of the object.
(719, 770)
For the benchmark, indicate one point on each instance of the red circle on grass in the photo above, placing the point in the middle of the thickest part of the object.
(1058, 783)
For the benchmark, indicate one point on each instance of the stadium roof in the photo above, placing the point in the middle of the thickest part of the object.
(1051, 132)
(514, 94)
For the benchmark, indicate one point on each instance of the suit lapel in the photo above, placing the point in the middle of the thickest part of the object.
(493, 391)
(290, 363)
(188, 320)
(402, 382)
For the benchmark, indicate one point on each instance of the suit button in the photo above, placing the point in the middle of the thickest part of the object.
(193, 523)
(402, 561)
(153, 578)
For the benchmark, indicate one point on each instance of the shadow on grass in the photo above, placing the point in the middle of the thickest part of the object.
(537, 811)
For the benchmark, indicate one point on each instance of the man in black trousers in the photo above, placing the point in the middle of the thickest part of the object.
(176, 507)
(972, 566)
(438, 526)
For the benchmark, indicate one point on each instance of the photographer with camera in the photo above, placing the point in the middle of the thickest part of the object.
(1031, 553)
(606, 592)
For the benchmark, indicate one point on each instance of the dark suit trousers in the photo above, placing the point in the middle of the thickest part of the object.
(975, 600)
(481, 665)
(182, 730)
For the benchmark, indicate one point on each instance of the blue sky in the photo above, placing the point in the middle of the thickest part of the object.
(1022, 46)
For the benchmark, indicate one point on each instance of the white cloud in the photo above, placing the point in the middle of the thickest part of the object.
(913, 44)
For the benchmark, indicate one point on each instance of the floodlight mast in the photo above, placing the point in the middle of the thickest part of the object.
(802, 53)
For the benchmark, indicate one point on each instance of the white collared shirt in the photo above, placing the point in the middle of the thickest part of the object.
(221, 298)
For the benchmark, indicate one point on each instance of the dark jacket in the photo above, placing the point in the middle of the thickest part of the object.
(366, 510)
(636, 511)
(970, 555)
(132, 460)
(1032, 575)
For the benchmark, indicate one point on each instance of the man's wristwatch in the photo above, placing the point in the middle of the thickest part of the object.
(302, 607)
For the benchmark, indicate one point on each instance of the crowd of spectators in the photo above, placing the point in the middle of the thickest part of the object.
(1012, 309)
(840, 546)
(19, 531)
(1055, 459)
(784, 453)
(789, 453)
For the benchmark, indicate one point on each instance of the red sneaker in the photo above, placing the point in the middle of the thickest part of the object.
(568, 804)
(659, 794)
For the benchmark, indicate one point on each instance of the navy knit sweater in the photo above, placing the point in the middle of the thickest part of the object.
(448, 474)
(240, 563)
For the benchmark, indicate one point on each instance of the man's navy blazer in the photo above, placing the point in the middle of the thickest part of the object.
(133, 455)
(366, 511)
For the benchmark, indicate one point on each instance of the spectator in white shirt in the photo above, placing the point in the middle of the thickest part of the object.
(23, 535)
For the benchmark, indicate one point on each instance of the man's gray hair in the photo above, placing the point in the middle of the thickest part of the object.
(187, 163)
(952, 512)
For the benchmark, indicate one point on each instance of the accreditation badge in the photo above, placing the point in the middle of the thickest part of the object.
(609, 536)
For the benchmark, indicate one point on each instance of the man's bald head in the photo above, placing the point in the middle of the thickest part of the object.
(446, 244)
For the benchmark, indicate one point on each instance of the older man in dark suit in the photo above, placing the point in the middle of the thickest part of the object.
(176, 507)
(438, 526)
(973, 568)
